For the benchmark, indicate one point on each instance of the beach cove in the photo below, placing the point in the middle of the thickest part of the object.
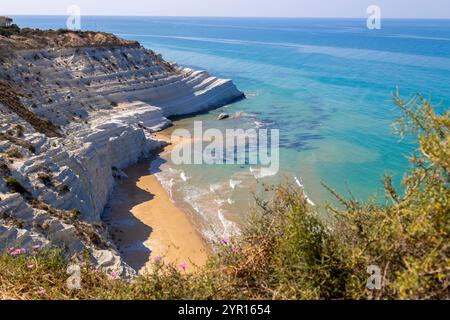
(148, 226)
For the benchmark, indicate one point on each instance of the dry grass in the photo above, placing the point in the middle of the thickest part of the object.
(10, 97)
(4, 169)
(17, 141)
(26, 39)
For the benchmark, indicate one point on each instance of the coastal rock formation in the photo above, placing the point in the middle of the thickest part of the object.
(75, 109)
(223, 116)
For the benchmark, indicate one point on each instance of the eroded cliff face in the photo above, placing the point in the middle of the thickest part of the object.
(71, 117)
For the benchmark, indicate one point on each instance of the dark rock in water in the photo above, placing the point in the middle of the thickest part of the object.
(223, 116)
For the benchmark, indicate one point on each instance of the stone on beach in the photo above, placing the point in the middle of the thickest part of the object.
(223, 116)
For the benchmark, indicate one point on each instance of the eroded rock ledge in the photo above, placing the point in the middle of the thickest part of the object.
(75, 108)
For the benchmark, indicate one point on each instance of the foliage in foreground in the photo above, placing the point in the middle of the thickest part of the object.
(289, 251)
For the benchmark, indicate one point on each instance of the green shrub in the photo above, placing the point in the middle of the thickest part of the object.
(9, 31)
(15, 186)
(14, 153)
(288, 250)
(303, 256)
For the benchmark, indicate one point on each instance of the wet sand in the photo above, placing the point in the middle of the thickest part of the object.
(146, 224)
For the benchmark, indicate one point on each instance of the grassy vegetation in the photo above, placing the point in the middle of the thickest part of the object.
(15, 186)
(289, 251)
(9, 31)
(17, 141)
(62, 38)
(14, 153)
(10, 97)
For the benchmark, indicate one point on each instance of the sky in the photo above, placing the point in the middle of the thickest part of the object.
(234, 8)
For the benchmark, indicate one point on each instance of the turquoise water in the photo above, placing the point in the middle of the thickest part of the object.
(325, 84)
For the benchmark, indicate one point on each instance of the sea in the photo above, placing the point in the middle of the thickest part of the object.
(325, 84)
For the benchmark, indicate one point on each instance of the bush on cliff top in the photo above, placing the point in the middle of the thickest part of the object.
(288, 251)
(9, 31)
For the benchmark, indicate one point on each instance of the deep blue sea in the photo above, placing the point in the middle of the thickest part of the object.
(326, 84)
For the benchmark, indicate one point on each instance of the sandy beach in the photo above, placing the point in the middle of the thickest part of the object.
(147, 225)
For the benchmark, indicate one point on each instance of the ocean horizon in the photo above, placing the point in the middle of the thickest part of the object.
(325, 83)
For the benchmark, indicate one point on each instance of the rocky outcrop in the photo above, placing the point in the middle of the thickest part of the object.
(71, 117)
(223, 116)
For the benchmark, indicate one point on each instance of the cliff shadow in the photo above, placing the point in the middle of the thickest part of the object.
(127, 230)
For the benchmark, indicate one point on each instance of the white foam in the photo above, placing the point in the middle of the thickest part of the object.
(234, 183)
(183, 176)
(258, 124)
(165, 178)
(260, 173)
(170, 186)
(300, 184)
(229, 228)
(193, 196)
(215, 187)
(219, 201)
(208, 206)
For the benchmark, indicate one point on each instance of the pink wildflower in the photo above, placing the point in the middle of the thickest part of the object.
(30, 266)
(225, 241)
(183, 266)
(95, 269)
(114, 274)
(158, 259)
(41, 292)
(17, 252)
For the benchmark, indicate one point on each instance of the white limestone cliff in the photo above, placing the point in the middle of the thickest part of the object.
(70, 120)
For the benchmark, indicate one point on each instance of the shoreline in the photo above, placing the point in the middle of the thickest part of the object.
(146, 225)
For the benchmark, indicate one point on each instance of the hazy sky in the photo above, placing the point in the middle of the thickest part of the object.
(229, 8)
